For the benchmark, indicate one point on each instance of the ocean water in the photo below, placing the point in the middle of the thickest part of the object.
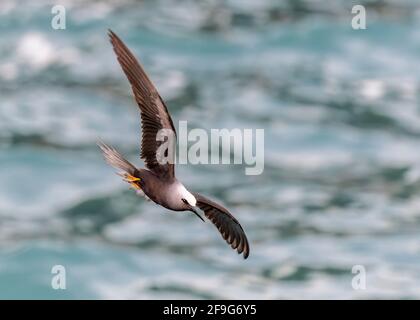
(341, 182)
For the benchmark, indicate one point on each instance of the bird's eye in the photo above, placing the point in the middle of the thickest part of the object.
(185, 201)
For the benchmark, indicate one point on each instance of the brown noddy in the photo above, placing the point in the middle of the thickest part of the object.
(158, 181)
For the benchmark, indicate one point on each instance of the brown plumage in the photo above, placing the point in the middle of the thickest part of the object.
(228, 226)
(154, 114)
(158, 181)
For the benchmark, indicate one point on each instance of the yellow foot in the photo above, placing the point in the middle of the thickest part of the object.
(133, 181)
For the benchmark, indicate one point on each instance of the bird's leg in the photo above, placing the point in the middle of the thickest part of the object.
(132, 180)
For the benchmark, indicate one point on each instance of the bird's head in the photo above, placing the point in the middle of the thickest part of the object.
(190, 202)
(187, 197)
(192, 208)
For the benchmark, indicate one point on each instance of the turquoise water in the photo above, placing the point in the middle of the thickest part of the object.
(341, 182)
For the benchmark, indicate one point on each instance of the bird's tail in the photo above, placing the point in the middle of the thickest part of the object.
(116, 160)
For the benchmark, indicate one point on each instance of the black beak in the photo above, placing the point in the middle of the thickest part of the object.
(194, 209)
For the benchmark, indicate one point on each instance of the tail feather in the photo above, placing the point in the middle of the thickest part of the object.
(115, 159)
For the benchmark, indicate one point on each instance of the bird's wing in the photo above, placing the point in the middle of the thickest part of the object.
(154, 114)
(227, 225)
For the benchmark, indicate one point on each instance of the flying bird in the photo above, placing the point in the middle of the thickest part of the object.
(157, 181)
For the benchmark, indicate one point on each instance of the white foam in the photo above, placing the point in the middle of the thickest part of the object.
(35, 50)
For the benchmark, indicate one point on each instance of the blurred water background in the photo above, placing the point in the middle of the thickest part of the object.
(341, 185)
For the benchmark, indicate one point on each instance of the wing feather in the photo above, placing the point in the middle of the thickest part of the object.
(225, 222)
(154, 113)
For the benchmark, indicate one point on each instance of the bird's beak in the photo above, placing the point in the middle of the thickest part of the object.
(195, 210)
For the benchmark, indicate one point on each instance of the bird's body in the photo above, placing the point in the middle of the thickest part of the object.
(158, 181)
(169, 195)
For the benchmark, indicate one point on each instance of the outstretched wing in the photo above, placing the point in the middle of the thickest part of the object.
(227, 225)
(154, 114)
